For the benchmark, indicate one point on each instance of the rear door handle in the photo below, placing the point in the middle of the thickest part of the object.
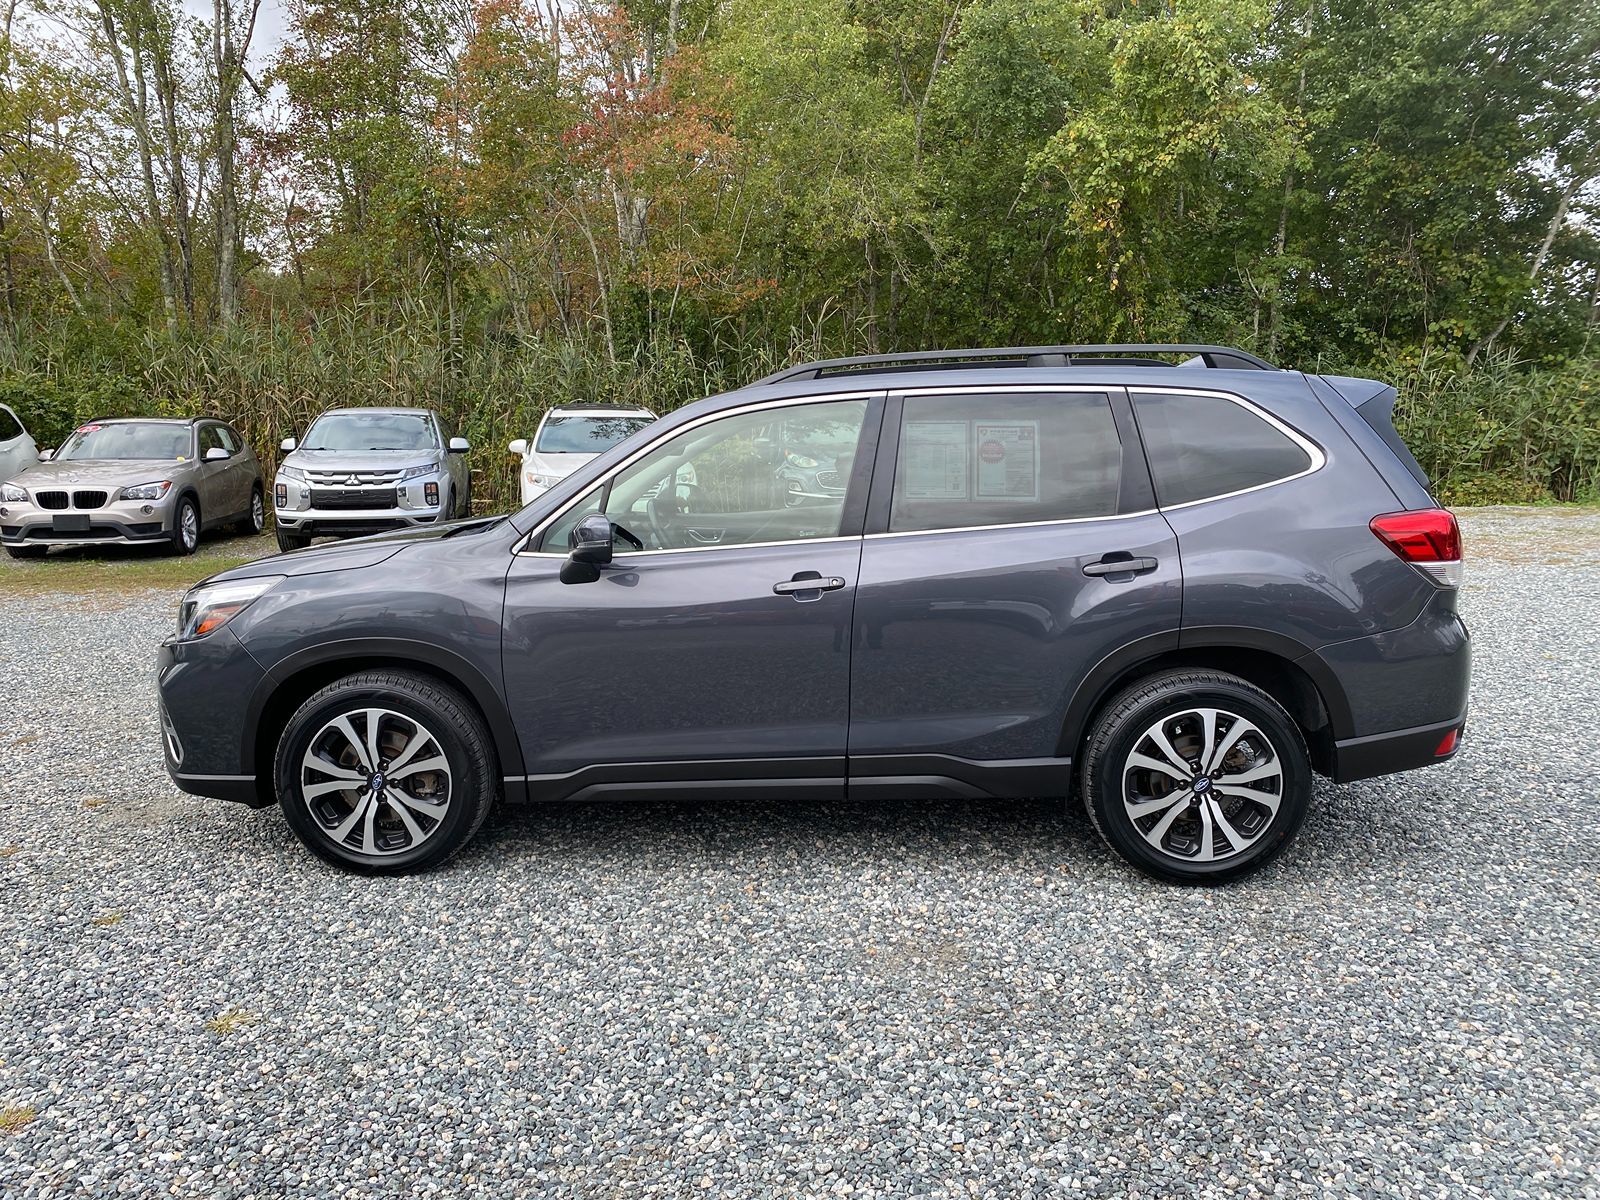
(808, 581)
(1120, 564)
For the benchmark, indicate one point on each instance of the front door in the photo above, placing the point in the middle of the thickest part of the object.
(1012, 545)
(721, 649)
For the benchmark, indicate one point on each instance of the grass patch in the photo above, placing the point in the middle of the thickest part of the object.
(96, 801)
(8, 851)
(15, 1117)
(231, 1021)
(78, 573)
(108, 919)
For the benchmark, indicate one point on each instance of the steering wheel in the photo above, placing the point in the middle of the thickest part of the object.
(657, 514)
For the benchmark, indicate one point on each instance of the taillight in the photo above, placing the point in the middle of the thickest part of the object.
(1429, 539)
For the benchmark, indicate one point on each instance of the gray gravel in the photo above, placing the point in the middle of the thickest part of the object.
(919, 1000)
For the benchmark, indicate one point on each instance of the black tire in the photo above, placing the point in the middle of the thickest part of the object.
(27, 551)
(185, 538)
(452, 730)
(288, 540)
(1111, 785)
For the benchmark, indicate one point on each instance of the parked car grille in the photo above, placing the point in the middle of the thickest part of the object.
(349, 498)
(829, 479)
(351, 478)
(60, 500)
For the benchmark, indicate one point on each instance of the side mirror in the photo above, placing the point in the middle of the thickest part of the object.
(47, 455)
(519, 448)
(216, 454)
(459, 445)
(288, 445)
(591, 549)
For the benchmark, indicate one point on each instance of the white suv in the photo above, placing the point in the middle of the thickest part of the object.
(568, 436)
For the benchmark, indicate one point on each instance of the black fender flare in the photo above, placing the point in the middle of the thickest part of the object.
(371, 652)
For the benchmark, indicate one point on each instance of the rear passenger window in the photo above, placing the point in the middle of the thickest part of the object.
(988, 459)
(1204, 446)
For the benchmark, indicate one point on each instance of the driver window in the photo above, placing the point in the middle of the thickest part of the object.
(776, 475)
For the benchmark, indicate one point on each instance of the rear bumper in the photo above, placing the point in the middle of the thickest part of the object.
(1401, 750)
(1405, 689)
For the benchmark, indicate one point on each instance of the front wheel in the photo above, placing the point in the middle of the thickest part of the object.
(185, 526)
(288, 540)
(27, 551)
(385, 772)
(1196, 777)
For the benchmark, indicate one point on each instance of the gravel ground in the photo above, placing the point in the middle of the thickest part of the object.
(920, 1000)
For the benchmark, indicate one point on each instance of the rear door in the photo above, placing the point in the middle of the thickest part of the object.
(1012, 545)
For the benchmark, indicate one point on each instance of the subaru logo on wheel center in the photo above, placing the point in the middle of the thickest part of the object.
(1202, 785)
(376, 782)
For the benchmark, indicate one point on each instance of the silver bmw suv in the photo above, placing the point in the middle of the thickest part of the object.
(134, 481)
(365, 470)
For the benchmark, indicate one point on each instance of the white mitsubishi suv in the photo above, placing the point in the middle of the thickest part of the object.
(569, 436)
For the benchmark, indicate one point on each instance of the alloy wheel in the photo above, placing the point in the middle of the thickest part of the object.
(258, 512)
(1202, 785)
(376, 781)
(189, 527)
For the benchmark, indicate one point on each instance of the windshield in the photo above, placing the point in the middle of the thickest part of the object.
(371, 431)
(128, 439)
(586, 435)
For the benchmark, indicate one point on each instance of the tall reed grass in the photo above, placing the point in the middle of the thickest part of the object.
(1499, 432)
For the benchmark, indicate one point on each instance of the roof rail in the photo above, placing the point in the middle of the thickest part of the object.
(1220, 357)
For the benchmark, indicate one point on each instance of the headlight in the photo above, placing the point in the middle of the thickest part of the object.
(147, 491)
(418, 472)
(210, 606)
(291, 473)
(12, 494)
(544, 481)
(800, 460)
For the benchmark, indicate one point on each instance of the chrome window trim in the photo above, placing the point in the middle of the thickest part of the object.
(1312, 451)
(900, 533)
(786, 402)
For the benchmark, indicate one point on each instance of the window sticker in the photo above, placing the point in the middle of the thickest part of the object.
(934, 454)
(1008, 460)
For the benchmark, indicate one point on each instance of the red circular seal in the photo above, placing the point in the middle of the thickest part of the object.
(992, 452)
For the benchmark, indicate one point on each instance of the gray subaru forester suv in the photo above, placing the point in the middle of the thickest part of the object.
(1174, 590)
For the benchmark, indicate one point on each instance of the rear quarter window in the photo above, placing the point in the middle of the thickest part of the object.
(1202, 446)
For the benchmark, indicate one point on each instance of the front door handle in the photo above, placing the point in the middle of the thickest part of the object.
(1120, 563)
(807, 585)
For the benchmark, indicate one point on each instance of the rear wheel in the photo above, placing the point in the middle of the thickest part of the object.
(255, 519)
(27, 551)
(185, 526)
(385, 772)
(1196, 777)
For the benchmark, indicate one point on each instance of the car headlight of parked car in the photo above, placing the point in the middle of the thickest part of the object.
(147, 491)
(207, 608)
(418, 472)
(542, 481)
(12, 494)
(291, 473)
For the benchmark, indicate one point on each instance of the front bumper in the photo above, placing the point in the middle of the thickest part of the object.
(204, 687)
(118, 522)
(365, 509)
